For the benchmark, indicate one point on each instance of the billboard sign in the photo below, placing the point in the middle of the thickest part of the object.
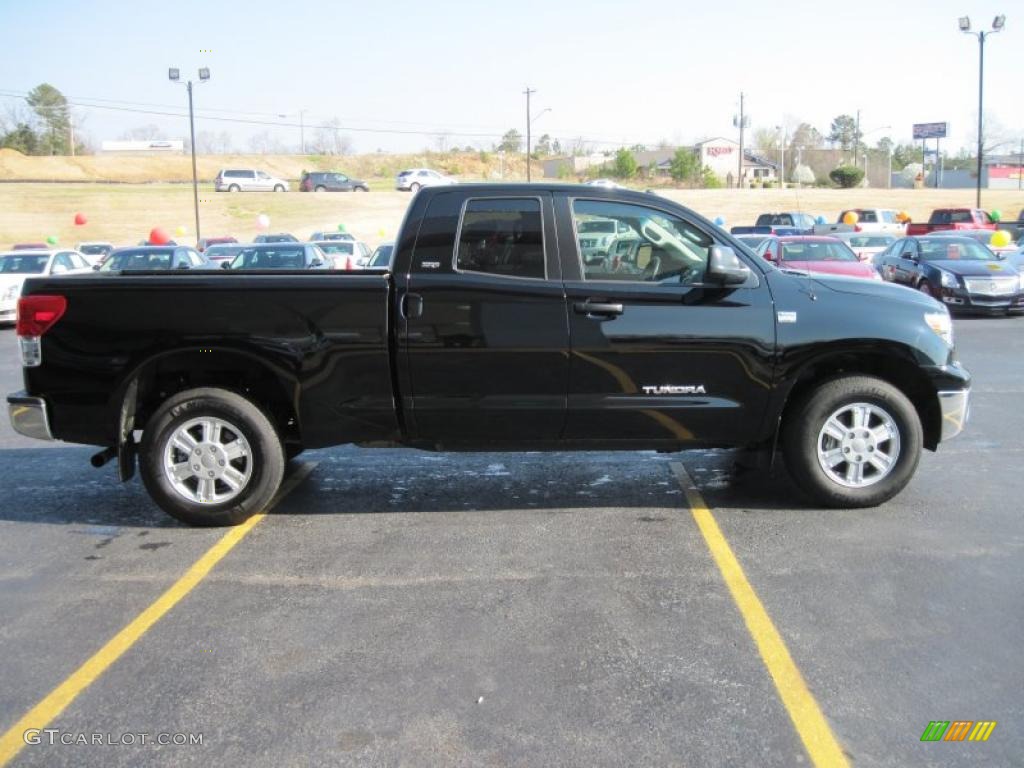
(930, 130)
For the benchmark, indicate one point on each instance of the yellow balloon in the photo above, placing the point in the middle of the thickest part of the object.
(1000, 238)
(180, 231)
(850, 218)
(902, 217)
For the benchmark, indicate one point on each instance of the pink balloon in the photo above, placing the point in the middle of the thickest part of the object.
(80, 219)
(263, 221)
(158, 236)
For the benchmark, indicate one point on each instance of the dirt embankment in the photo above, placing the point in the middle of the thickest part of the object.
(15, 166)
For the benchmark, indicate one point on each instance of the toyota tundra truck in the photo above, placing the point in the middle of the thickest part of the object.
(490, 332)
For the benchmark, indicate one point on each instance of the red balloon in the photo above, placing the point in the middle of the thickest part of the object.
(80, 219)
(158, 236)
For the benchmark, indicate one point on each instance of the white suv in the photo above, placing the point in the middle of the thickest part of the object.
(248, 180)
(412, 180)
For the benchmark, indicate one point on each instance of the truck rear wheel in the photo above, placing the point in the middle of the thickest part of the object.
(855, 441)
(209, 457)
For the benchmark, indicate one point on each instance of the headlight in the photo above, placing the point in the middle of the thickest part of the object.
(948, 280)
(941, 324)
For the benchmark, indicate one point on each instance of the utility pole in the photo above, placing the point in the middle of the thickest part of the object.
(742, 122)
(195, 178)
(528, 91)
(856, 140)
(302, 130)
(71, 131)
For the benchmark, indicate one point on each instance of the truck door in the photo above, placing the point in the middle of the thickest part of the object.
(656, 354)
(483, 322)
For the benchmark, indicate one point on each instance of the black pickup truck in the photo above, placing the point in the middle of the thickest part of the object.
(491, 332)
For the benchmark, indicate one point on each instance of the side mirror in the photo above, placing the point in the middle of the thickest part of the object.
(182, 266)
(315, 264)
(725, 267)
(225, 265)
(96, 267)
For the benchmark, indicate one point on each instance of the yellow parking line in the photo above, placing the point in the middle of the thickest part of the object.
(814, 731)
(60, 697)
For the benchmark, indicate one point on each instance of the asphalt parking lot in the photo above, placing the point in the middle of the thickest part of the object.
(402, 608)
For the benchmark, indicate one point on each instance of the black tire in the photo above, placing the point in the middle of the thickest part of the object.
(267, 456)
(806, 418)
(279, 188)
(362, 189)
(925, 287)
(234, 188)
(414, 187)
(320, 188)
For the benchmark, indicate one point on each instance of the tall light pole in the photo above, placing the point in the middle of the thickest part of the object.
(529, 122)
(782, 157)
(174, 75)
(888, 183)
(997, 26)
(301, 114)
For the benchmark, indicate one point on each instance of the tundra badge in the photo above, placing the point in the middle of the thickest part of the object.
(675, 389)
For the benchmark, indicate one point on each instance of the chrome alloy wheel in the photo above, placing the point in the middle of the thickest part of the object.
(859, 445)
(207, 460)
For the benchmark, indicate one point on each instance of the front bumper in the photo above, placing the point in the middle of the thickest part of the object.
(955, 407)
(28, 416)
(959, 299)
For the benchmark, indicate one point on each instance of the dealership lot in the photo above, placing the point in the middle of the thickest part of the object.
(408, 608)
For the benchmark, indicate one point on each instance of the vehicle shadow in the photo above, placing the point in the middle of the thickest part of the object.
(57, 485)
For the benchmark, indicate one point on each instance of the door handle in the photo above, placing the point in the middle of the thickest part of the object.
(597, 308)
(412, 305)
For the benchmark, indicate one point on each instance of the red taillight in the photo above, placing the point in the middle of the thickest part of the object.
(856, 228)
(37, 314)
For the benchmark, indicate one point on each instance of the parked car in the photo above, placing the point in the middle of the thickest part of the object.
(280, 256)
(788, 223)
(816, 253)
(958, 271)
(223, 252)
(330, 181)
(319, 237)
(416, 178)
(606, 183)
(983, 236)
(248, 180)
(752, 241)
(601, 239)
(952, 218)
(346, 254)
(95, 252)
(1015, 228)
(29, 247)
(489, 334)
(277, 237)
(16, 266)
(148, 258)
(382, 255)
(868, 220)
(206, 242)
(866, 245)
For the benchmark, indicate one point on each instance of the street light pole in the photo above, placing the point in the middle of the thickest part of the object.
(174, 75)
(997, 26)
(528, 92)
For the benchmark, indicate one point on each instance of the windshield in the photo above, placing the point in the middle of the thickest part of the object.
(382, 256)
(821, 251)
(95, 250)
(871, 241)
(955, 250)
(23, 265)
(597, 226)
(126, 261)
(270, 258)
(222, 251)
(337, 247)
(774, 219)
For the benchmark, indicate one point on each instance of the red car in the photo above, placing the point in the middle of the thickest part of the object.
(206, 242)
(952, 218)
(819, 254)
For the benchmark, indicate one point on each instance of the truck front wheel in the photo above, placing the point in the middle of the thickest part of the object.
(854, 441)
(209, 457)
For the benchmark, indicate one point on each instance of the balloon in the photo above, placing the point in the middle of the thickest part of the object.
(850, 218)
(263, 221)
(381, 233)
(902, 217)
(341, 227)
(52, 239)
(1000, 238)
(180, 231)
(719, 221)
(158, 236)
(821, 220)
(996, 216)
(80, 219)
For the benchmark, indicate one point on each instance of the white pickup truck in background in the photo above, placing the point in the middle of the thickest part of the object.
(868, 220)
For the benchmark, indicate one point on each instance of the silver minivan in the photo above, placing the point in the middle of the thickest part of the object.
(248, 180)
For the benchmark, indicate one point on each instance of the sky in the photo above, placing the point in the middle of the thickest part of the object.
(396, 73)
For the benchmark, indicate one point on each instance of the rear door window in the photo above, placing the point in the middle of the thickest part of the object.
(502, 236)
